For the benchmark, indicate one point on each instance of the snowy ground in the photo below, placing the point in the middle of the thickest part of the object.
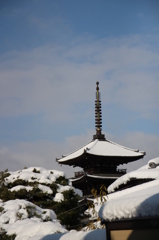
(98, 234)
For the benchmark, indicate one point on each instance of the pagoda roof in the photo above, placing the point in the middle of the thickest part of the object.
(102, 148)
(86, 175)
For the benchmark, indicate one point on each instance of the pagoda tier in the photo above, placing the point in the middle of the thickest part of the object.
(101, 156)
(87, 182)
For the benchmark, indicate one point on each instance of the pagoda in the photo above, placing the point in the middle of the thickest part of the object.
(99, 159)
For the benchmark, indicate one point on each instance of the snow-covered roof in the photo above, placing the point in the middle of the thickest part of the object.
(135, 202)
(103, 148)
(153, 163)
(93, 176)
(146, 172)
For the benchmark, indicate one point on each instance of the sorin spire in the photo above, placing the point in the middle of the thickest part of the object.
(98, 116)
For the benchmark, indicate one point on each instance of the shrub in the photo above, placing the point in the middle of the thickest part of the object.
(3, 175)
(62, 180)
(69, 212)
(36, 171)
(53, 187)
(18, 182)
(19, 215)
(8, 237)
(1, 209)
(31, 211)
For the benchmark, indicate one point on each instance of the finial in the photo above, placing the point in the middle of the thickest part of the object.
(97, 88)
(98, 116)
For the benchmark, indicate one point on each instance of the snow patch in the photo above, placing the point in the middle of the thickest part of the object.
(35, 174)
(144, 172)
(134, 202)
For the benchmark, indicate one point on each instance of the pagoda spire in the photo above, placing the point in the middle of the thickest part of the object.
(98, 116)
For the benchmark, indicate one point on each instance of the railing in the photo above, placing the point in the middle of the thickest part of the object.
(117, 173)
(121, 171)
(79, 174)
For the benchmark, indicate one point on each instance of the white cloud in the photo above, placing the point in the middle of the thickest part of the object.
(53, 77)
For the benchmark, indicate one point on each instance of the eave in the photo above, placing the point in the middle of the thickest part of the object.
(102, 150)
(92, 177)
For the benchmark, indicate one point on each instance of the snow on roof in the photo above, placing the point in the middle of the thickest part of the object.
(139, 201)
(93, 176)
(102, 177)
(145, 172)
(76, 179)
(103, 148)
(135, 202)
(34, 174)
(153, 163)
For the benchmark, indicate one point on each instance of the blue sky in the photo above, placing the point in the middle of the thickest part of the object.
(51, 55)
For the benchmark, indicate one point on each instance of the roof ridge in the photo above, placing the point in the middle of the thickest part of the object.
(133, 150)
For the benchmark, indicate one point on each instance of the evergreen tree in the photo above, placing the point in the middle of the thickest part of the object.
(68, 210)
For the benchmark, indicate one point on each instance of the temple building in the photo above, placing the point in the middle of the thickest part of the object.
(99, 159)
